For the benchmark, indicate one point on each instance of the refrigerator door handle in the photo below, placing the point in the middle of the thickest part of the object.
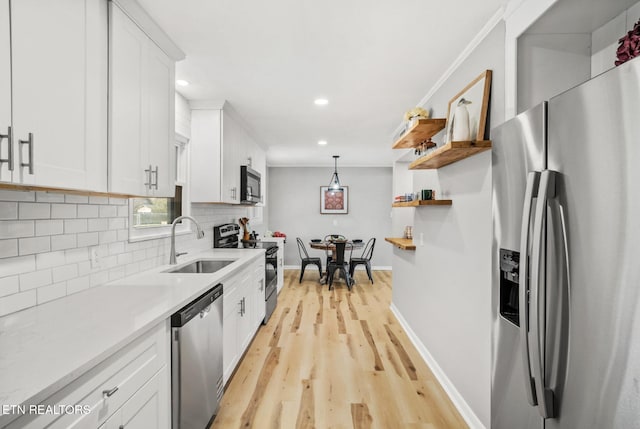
(531, 192)
(545, 396)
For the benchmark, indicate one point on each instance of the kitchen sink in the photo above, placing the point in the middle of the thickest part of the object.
(201, 266)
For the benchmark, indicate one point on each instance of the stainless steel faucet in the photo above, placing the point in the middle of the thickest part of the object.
(172, 253)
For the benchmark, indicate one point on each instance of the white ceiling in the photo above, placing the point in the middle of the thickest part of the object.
(270, 60)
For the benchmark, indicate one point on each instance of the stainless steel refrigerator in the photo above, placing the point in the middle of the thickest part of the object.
(566, 259)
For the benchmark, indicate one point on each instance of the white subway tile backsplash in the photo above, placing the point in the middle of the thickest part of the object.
(84, 268)
(98, 200)
(64, 272)
(75, 226)
(8, 210)
(64, 227)
(77, 284)
(49, 227)
(131, 269)
(116, 223)
(16, 228)
(7, 195)
(17, 265)
(35, 279)
(125, 258)
(109, 261)
(117, 273)
(63, 211)
(116, 248)
(48, 197)
(87, 211)
(76, 255)
(88, 239)
(17, 302)
(29, 246)
(48, 260)
(34, 210)
(139, 255)
(9, 285)
(123, 235)
(123, 211)
(108, 211)
(62, 242)
(118, 201)
(76, 199)
(98, 278)
(8, 248)
(98, 224)
(107, 237)
(51, 292)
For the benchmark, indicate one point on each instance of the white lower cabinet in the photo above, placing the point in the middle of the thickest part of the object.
(147, 408)
(243, 313)
(258, 289)
(129, 389)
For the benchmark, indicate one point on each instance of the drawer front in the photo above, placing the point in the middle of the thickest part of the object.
(105, 388)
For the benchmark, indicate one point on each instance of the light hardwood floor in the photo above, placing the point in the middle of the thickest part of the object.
(334, 359)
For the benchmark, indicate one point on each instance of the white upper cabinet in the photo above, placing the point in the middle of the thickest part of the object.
(58, 89)
(5, 92)
(219, 145)
(142, 105)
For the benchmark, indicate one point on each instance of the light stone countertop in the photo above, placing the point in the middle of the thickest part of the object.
(44, 348)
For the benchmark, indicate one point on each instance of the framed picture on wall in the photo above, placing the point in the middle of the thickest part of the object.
(334, 201)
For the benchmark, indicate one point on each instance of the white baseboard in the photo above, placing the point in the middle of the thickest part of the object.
(458, 401)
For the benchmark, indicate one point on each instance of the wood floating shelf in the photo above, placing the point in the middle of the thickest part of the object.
(402, 243)
(450, 153)
(423, 130)
(421, 203)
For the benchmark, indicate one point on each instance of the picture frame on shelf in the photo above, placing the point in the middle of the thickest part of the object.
(334, 201)
(478, 93)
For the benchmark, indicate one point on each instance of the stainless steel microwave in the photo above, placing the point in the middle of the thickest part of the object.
(249, 185)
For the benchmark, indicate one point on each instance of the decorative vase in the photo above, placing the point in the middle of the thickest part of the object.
(460, 130)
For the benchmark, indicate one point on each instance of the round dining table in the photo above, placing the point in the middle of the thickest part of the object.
(330, 245)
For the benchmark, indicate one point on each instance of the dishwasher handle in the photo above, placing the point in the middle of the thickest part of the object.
(197, 306)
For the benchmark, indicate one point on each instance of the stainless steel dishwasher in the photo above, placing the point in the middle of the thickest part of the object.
(196, 361)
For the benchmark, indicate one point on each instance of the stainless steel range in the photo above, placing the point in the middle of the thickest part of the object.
(226, 236)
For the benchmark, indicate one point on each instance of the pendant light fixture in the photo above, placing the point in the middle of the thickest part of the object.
(334, 184)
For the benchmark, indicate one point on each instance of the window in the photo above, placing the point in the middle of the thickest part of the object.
(152, 217)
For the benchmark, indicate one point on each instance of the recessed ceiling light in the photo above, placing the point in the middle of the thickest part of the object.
(181, 82)
(322, 142)
(321, 101)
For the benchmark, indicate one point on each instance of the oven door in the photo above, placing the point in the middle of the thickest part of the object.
(270, 291)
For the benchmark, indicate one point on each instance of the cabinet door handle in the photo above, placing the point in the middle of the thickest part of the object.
(147, 184)
(9, 158)
(28, 142)
(109, 393)
(155, 182)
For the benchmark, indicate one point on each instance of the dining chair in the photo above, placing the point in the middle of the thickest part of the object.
(340, 264)
(364, 259)
(330, 239)
(306, 260)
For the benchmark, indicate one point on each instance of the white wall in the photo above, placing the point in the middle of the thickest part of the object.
(443, 289)
(294, 207)
(604, 40)
(45, 240)
(549, 64)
